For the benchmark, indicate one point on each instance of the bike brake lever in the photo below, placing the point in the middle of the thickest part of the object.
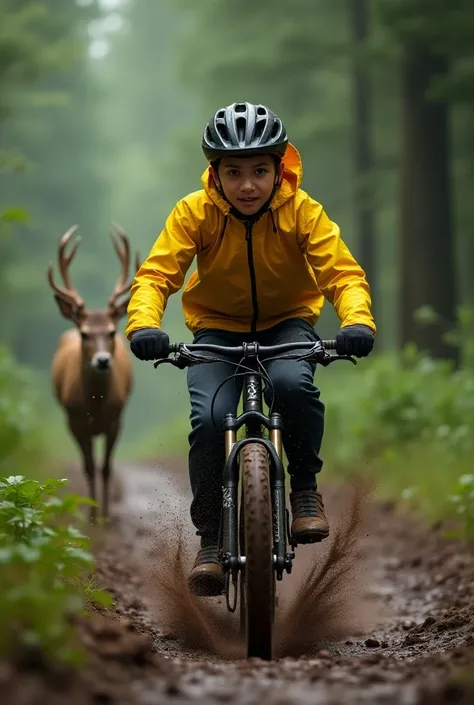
(179, 361)
(162, 362)
(329, 359)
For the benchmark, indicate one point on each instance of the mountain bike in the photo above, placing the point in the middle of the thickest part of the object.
(255, 535)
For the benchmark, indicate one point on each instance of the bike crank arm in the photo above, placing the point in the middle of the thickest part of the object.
(231, 580)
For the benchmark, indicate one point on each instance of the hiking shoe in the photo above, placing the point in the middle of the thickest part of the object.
(309, 522)
(206, 578)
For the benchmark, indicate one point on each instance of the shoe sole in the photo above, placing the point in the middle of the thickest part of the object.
(309, 537)
(206, 585)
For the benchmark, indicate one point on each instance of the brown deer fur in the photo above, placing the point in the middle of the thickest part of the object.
(91, 369)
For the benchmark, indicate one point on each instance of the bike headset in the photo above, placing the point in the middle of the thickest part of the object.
(245, 130)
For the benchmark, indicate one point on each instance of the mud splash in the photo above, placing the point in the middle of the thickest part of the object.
(330, 602)
(323, 601)
(201, 625)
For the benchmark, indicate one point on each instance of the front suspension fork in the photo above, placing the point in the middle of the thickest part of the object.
(231, 560)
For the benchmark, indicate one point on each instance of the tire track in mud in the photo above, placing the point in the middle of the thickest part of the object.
(393, 622)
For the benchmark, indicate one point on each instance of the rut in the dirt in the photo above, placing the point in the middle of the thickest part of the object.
(322, 602)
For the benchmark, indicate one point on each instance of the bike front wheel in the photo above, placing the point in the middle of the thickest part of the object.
(258, 572)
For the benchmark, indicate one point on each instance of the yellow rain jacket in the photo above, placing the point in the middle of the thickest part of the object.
(250, 278)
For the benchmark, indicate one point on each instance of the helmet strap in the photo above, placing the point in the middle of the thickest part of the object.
(217, 181)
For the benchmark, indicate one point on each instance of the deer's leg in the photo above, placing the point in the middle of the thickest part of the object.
(85, 444)
(110, 439)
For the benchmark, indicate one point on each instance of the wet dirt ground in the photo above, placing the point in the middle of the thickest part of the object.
(384, 613)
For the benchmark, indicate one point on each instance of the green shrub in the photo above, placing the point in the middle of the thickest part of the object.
(44, 567)
(408, 421)
(398, 401)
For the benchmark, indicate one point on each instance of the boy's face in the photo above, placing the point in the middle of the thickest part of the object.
(247, 181)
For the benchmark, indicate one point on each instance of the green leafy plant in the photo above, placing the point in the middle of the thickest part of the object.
(45, 567)
(463, 501)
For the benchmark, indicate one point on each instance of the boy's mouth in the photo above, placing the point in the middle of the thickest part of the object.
(247, 200)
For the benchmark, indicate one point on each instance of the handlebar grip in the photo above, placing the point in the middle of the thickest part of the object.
(329, 344)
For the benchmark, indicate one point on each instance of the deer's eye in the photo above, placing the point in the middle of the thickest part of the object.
(111, 333)
(84, 336)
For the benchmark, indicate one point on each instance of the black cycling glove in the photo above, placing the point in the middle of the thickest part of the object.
(149, 344)
(357, 340)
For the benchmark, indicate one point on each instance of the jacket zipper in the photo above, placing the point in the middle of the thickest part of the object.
(253, 282)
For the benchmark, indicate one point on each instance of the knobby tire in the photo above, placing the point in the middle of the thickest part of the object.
(258, 574)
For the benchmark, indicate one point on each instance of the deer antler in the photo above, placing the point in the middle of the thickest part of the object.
(122, 285)
(68, 294)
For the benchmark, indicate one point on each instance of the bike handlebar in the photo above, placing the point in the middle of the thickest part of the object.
(316, 352)
(251, 349)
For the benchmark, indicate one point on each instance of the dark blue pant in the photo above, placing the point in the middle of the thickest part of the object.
(296, 398)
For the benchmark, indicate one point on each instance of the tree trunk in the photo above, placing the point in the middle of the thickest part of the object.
(427, 267)
(363, 150)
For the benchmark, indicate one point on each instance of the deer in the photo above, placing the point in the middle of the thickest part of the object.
(91, 368)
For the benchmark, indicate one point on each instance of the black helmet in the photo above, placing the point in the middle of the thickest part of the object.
(244, 129)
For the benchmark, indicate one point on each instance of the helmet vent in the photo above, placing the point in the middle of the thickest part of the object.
(240, 108)
(275, 129)
(240, 125)
(259, 128)
(261, 111)
(223, 132)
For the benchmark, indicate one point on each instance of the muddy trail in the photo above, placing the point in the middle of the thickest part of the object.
(384, 613)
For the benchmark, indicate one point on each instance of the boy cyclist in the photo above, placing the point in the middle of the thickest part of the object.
(267, 255)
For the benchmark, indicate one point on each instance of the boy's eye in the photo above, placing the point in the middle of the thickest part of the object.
(261, 170)
(233, 172)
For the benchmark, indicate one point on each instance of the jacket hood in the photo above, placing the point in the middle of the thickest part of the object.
(292, 177)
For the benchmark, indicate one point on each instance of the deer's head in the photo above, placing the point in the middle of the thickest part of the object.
(97, 327)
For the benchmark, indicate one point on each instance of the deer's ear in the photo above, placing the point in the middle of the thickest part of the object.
(68, 309)
(65, 307)
(119, 310)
